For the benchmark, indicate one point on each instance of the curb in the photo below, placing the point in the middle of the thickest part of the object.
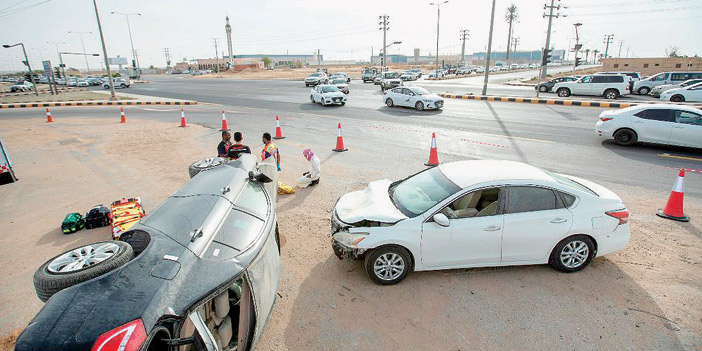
(515, 84)
(96, 103)
(582, 103)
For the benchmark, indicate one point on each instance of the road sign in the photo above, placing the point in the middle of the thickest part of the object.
(118, 60)
(47, 68)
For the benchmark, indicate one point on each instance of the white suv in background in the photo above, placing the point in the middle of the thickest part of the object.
(644, 86)
(611, 86)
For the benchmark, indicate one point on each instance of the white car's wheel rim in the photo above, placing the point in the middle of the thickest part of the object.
(83, 257)
(389, 266)
(574, 254)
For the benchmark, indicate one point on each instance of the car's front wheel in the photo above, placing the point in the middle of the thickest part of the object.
(388, 265)
(79, 265)
(625, 137)
(389, 102)
(677, 98)
(644, 90)
(563, 92)
(312, 98)
(419, 106)
(543, 89)
(572, 254)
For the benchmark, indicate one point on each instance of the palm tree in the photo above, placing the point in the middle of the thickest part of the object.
(587, 52)
(511, 15)
(595, 55)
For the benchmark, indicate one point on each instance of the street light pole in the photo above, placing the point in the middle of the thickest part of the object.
(135, 64)
(489, 48)
(83, 44)
(438, 17)
(104, 52)
(29, 66)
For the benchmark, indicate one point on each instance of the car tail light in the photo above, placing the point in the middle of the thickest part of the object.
(605, 119)
(621, 215)
(127, 337)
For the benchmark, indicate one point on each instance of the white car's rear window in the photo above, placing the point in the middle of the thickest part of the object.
(571, 183)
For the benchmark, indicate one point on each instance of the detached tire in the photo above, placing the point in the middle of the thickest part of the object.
(205, 164)
(388, 265)
(56, 275)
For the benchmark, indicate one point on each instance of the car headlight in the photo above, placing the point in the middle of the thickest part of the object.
(350, 239)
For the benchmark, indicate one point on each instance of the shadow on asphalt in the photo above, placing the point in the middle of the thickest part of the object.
(507, 308)
(643, 152)
(506, 132)
(567, 115)
(309, 106)
(404, 111)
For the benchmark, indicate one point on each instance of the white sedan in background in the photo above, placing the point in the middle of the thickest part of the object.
(476, 214)
(660, 123)
(416, 97)
(691, 93)
(327, 95)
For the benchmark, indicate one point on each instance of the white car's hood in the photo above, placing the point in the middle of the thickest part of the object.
(372, 203)
(333, 94)
(432, 97)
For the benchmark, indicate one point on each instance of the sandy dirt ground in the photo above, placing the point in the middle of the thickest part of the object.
(647, 297)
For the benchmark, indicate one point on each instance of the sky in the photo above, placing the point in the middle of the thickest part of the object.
(342, 30)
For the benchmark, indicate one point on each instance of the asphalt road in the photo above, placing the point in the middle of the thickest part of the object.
(560, 138)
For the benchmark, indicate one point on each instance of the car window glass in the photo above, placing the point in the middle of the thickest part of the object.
(529, 199)
(686, 117)
(587, 79)
(477, 203)
(615, 79)
(407, 91)
(659, 77)
(422, 191)
(678, 76)
(568, 200)
(599, 79)
(658, 114)
(239, 230)
(253, 199)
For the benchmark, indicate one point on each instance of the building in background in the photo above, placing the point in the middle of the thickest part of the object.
(652, 65)
(284, 60)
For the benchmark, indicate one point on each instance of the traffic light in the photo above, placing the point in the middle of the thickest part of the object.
(545, 56)
(58, 72)
(577, 61)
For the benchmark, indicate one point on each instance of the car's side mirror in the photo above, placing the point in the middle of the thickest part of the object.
(441, 220)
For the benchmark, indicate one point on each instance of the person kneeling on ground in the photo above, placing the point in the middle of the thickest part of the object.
(238, 148)
(311, 177)
(224, 145)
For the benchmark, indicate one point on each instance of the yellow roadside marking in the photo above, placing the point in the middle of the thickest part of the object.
(688, 158)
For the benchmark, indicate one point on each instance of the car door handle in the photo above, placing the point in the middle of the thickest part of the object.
(559, 220)
(492, 228)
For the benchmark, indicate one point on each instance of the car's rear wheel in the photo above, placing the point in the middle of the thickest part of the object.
(563, 92)
(205, 164)
(625, 137)
(644, 90)
(543, 89)
(79, 265)
(389, 102)
(419, 106)
(572, 254)
(677, 98)
(388, 265)
(611, 94)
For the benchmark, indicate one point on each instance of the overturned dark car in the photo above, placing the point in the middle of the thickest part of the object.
(200, 272)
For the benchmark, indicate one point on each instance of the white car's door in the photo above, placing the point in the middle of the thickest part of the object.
(694, 94)
(534, 221)
(409, 97)
(394, 95)
(315, 94)
(583, 86)
(687, 129)
(653, 125)
(474, 234)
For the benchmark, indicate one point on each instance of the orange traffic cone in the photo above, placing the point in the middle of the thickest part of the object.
(674, 208)
(278, 131)
(433, 155)
(122, 117)
(339, 142)
(182, 118)
(49, 119)
(224, 122)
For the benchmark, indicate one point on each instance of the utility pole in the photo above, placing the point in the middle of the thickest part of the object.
(489, 48)
(515, 42)
(135, 61)
(83, 44)
(216, 54)
(29, 67)
(104, 52)
(384, 27)
(550, 16)
(621, 42)
(167, 52)
(464, 36)
(438, 17)
(627, 51)
(608, 38)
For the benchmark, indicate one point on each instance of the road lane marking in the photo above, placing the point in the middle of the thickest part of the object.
(688, 158)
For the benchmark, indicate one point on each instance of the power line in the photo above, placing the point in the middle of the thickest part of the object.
(13, 5)
(633, 3)
(12, 12)
(640, 11)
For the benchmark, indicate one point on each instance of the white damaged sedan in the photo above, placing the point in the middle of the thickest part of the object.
(416, 97)
(477, 214)
(327, 95)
